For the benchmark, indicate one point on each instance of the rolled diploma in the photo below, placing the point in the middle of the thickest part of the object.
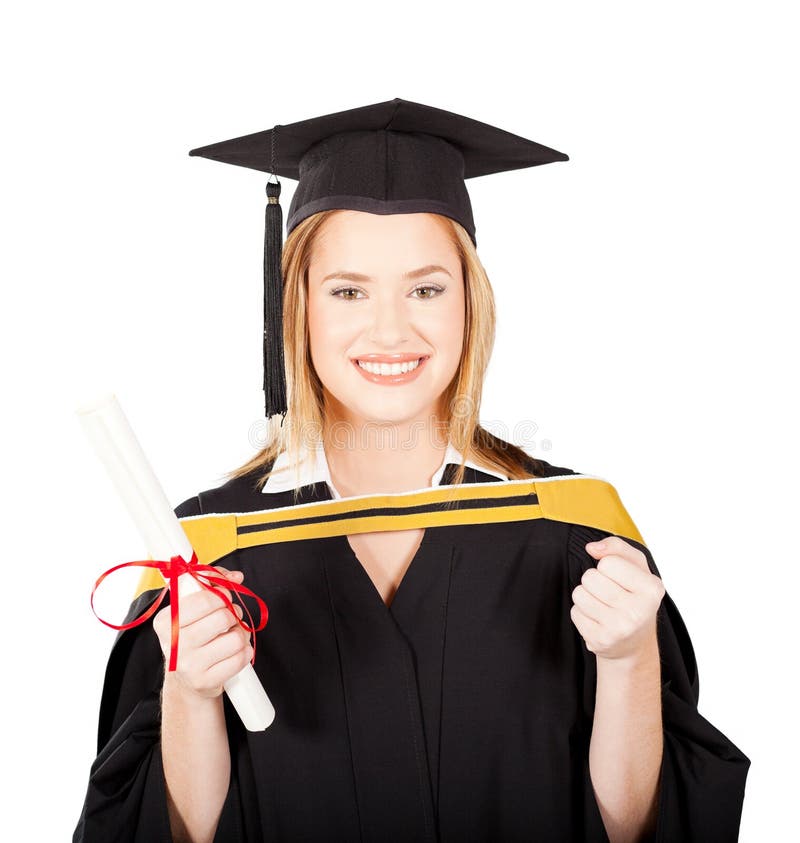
(113, 439)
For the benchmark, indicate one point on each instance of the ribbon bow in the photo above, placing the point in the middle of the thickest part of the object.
(171, 570)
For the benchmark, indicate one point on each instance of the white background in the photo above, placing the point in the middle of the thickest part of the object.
(645, 320)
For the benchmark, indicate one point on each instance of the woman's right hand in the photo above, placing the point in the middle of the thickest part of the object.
(213, 647)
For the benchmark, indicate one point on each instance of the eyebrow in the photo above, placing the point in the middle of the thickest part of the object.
(414, 273)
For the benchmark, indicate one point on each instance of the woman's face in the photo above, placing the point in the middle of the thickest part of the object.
(387, 287)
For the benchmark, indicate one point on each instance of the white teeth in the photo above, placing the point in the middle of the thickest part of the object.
(389, 368)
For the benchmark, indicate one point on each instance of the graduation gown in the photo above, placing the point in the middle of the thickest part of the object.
(462, 712)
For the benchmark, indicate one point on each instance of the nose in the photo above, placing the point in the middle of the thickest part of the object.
(390, 324)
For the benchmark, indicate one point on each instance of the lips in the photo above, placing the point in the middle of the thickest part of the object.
(388, 358)
(400, 377)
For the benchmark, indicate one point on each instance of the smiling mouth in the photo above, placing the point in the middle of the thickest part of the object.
(386, 368)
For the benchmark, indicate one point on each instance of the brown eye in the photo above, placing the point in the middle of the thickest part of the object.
(345, 290)
(431, 289)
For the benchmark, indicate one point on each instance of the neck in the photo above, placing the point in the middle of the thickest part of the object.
(373, 459)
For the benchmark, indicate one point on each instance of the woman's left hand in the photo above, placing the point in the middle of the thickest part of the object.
(616, 604)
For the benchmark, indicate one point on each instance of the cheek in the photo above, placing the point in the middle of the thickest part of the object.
(320, 323)
(329, 335)
(316, 325)
(450, 334)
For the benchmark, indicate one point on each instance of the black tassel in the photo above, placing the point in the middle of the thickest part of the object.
(274, 364)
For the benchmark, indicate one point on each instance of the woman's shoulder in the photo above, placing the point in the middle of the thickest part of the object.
(243, 494)
(542, 468)
(503, 455)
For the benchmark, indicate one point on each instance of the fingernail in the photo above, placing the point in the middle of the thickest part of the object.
(596, 545)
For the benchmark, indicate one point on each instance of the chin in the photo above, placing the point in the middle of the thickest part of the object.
(388, 412)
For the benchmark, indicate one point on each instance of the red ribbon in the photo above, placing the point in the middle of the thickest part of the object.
(171, 570)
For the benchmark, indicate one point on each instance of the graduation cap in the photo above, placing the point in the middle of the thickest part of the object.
(393, 157)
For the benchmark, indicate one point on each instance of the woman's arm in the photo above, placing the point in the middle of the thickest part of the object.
(195, 752)
(196, 760)
(702, 774)
(626, 747)
(616, 611)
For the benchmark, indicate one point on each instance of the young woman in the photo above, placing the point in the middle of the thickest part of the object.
(449, 656)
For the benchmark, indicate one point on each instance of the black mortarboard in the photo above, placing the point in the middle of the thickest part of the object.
(393, 157)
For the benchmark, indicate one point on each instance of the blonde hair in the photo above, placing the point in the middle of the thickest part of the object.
(460, 402)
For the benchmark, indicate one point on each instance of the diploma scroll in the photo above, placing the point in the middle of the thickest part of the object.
(110, 433)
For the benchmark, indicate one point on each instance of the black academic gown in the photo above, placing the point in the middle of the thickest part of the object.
(462, 712)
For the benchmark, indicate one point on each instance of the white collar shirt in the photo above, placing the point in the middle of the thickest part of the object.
(315, 470)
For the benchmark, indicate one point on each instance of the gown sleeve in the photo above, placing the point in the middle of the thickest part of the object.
(126, 795)
(703, 774)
